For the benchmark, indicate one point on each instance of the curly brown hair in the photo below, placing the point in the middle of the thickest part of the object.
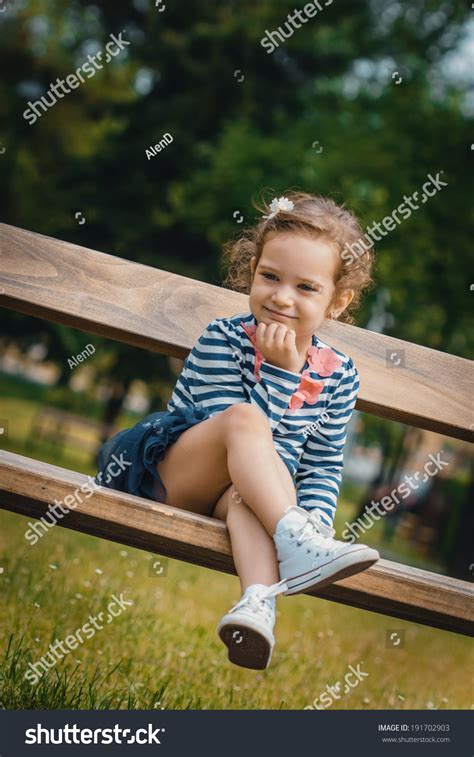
(313, 216)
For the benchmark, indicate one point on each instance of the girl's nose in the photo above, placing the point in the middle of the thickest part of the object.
(282, 298)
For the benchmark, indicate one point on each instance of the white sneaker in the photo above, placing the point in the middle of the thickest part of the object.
(247, 629)
(308, 555)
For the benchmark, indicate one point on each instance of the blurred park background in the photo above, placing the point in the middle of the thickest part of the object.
(360, 104)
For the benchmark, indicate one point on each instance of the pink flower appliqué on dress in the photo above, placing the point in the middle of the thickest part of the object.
(308, 391)
(250, 331)
(323, 360)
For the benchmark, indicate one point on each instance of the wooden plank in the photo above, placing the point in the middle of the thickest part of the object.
(105, 295)
(28, 486)
(160, 311)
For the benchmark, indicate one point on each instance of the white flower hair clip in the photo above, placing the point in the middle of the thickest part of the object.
(283, 203)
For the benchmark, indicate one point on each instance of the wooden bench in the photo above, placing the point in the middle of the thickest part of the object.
(166, 313)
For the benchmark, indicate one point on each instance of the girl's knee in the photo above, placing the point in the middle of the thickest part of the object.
(244, 417)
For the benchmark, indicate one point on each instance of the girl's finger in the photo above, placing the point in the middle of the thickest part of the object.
(290, 337)
(270, 336)
(261, 329)
(279, 335)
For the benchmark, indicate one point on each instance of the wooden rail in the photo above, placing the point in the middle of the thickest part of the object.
(166, 313)
(28, 486)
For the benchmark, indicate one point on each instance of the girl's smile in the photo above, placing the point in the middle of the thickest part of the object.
(279, 315)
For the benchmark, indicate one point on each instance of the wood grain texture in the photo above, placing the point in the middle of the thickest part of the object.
(163, 312)
(27, 486)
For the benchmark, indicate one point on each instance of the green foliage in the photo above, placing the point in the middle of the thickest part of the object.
(330, 82)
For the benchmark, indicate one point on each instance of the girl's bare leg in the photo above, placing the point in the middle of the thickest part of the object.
(233, 447)
(253, 549)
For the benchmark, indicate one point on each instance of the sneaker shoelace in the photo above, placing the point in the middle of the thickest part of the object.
(255, 599)
(315, 526)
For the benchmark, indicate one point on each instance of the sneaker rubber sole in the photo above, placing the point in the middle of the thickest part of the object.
(247, 647)
(338, 569)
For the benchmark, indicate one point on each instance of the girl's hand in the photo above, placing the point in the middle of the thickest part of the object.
(277, 344)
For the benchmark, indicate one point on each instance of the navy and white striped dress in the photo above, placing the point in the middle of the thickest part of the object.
(219, 372)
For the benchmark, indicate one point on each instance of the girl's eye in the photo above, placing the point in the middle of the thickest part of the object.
(309, 288)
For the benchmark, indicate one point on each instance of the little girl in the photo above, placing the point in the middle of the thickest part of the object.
(255, 428)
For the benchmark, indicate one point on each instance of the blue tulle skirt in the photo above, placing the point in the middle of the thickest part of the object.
(127, 461)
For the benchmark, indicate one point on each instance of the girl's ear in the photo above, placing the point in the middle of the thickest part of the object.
(253, 262)
(342, 302)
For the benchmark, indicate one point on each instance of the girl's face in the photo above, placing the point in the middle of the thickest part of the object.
(294, 278)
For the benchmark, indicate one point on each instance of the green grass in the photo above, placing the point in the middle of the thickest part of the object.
(163, 651)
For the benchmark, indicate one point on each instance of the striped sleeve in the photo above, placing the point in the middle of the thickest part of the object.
(318, 477)
(212, 376)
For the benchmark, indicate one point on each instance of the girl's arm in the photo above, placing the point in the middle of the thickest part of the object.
(212, 375)
(319, 474)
